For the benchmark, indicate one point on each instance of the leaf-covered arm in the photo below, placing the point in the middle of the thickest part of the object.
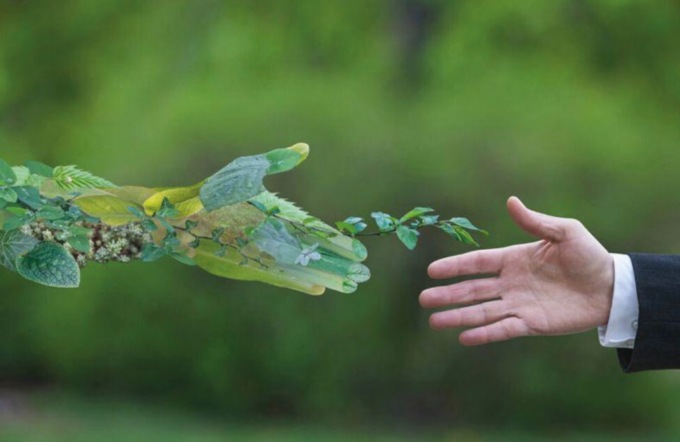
(55, 220)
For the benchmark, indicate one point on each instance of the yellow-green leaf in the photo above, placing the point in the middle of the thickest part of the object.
(185, 199)
(111, 209)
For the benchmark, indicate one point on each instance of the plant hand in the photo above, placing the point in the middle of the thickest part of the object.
(561, 284)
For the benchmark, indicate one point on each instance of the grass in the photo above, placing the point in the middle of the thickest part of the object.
(58, 417)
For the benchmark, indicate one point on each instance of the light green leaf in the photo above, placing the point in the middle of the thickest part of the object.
(50, 264)
(415, 213)
(408, 236)
(14, 244)
(8, 194)
(80, 243)
(384, 221)
(7, 176)
(71, 178)
(22, 173)
(465, 223)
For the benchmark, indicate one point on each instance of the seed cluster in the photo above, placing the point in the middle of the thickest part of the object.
(107, 243)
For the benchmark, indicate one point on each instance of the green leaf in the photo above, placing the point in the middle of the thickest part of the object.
(384, 221)
(185, 200)
(151, 252)
(465, 236)
(466, 224)
(259, 206)
(429, 220)
(7, 176)
(30, 196)
(50, 213)
(450, 231)
(282, 160)
(111, 209)
(80, 243)
(51, 265)
(71, 178)
(242, 179)
(40, 169)
(184, 259)
(408, 236)
(14, 244)
(418, 211)
(14, 222)
(8, 194)
(346, 227)
(22, 173)
(167, 209)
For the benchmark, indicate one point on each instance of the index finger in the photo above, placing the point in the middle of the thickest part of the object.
(472, 263)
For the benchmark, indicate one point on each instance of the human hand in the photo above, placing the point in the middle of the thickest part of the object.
(561, 284)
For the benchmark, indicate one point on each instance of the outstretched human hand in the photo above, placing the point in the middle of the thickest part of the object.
(561, 284)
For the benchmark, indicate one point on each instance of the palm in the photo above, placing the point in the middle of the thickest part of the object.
(559, 285)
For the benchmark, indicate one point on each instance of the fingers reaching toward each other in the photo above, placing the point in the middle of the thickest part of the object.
(473, 263)
(471, 316)
(502, 330)
(461, 293)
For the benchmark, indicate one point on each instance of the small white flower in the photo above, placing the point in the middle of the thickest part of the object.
(307, 255)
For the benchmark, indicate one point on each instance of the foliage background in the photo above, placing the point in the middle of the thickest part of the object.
(571, 104)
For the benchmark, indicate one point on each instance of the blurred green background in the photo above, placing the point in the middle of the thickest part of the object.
(456, 104)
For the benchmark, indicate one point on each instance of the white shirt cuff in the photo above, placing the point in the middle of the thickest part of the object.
(621, 329)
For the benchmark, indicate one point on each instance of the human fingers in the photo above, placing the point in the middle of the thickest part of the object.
(538, 224)
(463, 292)
(472, 316)
(472, 263)
(502, 330)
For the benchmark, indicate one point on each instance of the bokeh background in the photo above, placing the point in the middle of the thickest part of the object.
(456, 104)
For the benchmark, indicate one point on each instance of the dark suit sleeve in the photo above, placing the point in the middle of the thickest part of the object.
(657, 343)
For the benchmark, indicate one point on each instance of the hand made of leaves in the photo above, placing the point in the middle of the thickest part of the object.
(55, 220)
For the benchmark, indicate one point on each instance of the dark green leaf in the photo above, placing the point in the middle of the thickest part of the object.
(39, 169)
(51, 265)
(190, 225)
(258, 205)
(221, 251)
(151, 252)
(7, 176)
(13, 244)
(239, 181)
(408, 236)
(50, 213)
(149, 225)
(30, 196)
(217, 234)
(167, 210)
(136, 212)
(418, 211)
(195, 243)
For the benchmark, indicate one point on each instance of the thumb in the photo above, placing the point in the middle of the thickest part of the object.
(543, 226)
